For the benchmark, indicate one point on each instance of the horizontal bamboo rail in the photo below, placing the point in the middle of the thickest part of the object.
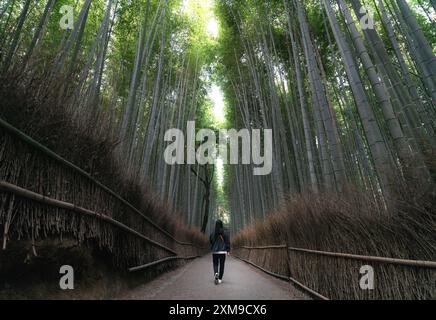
(144, 266)
(30, 141)
(396, 261)
(281, 246)
(309, 290)
(8, 187)
(280, 276)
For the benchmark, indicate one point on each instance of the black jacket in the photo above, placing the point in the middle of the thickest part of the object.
(222, 242)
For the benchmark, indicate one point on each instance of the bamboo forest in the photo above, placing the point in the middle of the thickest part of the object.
(134, 132)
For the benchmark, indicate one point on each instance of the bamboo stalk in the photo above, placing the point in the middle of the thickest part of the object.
(311, 291)
(144, 266)
(7, 224)
(5, 236)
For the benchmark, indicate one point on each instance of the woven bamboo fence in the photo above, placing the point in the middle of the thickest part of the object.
(42, 195)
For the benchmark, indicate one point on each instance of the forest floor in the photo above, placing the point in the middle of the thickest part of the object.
(194, 281)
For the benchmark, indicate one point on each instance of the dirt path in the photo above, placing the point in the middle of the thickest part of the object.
(194, 281)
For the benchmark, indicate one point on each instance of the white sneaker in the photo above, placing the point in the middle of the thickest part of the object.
(219, 280)
(216, 278)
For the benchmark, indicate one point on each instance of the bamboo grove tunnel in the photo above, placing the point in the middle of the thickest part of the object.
(128, 127)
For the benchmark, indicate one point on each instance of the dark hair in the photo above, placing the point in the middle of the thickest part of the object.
(219, 229)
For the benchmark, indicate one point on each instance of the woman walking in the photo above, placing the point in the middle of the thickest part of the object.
(220, 245)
